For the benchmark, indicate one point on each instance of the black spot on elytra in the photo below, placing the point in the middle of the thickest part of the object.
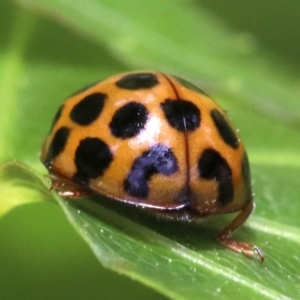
(92, 158)
(158, 159)
(181, 114)
(137, 81)
(246, 176)
(88, 109)
(190, 86)
(57, 116)
(129, 120)
(213, 166)
(57, 145)
(224, 129)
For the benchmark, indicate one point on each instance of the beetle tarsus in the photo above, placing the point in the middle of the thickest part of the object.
(240, 247)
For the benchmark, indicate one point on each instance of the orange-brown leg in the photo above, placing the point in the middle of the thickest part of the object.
(67, 188)
(224, 236)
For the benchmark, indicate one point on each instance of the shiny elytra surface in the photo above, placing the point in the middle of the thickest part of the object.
(153, 140)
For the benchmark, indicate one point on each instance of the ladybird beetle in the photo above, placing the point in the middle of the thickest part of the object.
(154, 141)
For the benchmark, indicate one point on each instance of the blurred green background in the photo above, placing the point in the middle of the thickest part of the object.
(44, 57)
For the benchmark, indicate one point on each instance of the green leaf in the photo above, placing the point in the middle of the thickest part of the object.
(19, 185)
(49, 49)
(181, 260)
(178, 259)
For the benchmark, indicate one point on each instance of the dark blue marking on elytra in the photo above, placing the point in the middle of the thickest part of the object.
(57, 145)
(129, 120)
(247, 177)
(224, 129)
(92, 158)
(88, 109)
(213, 166)
(137, 81)
(181, 114)
(190, 86)
(158, 159)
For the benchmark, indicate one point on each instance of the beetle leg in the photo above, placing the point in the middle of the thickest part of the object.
(225, 239)
(67, 188)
